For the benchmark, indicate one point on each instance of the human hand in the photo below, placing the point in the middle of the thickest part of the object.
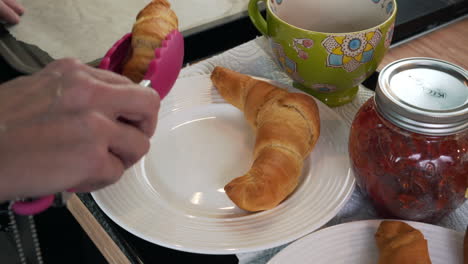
(71, 126)
(10, 11)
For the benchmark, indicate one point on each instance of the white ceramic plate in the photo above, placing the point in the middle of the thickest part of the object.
(354, 243)
(174, 196)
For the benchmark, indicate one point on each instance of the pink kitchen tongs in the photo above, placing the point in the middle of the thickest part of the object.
(161, 75)
(164, 68)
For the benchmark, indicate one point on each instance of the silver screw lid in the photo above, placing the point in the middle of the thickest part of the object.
(424, 95)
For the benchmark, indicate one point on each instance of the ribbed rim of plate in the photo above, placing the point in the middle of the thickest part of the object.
(294, 218)
(345, 240)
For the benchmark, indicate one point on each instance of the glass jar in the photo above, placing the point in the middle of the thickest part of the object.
(408, 144)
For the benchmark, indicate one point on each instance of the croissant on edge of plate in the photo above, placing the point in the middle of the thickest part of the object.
(400, 243)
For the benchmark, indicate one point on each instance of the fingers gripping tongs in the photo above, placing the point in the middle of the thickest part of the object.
(161, 75)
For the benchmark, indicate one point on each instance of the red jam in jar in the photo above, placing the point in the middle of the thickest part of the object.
(408, 144)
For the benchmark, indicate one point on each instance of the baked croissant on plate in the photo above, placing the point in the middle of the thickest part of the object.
(399, 243)
(153, 24)
(287, 127)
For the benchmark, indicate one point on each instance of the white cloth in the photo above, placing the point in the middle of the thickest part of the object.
(86, 29)
(255, 58)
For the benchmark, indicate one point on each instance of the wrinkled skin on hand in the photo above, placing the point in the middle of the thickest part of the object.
(71, 126)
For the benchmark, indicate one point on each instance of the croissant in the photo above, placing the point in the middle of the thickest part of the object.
(287, 126)
(399, 243)
(152, 25)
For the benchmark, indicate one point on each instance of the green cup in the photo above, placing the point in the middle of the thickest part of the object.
(327, 47)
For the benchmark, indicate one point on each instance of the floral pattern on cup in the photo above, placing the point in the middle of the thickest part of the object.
(351, 51)
(287, 64)
(323, 87)
(376, 1)
(305, 43)
(388, 37)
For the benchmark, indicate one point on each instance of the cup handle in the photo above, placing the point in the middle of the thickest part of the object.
(257, 18)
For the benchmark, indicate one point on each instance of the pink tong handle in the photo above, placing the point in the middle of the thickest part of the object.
(36, 206)
(162, 71)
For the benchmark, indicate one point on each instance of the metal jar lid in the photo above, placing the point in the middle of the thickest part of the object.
(424, 95)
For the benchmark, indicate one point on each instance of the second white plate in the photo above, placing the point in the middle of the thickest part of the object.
(354, 243)
(174, 196)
